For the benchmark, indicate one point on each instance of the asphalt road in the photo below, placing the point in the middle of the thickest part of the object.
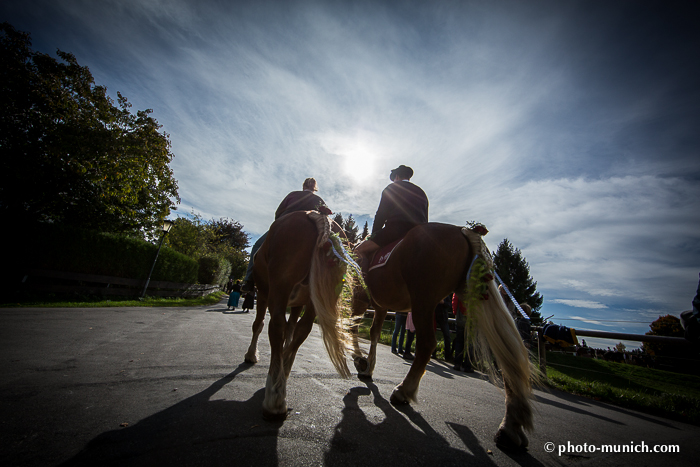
(168, 386)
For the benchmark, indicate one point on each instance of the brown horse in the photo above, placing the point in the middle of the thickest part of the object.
(430, 263)
(295, 268)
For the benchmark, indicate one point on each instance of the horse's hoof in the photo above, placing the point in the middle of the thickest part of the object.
(274, 417)
(510, 441)
(364, 377)
(361, 365)
(250, 360)
(398, 399)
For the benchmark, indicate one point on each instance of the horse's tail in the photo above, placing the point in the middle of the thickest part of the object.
(325, 286)
(497, 337)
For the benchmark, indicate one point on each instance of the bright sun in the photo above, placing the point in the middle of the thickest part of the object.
(358, 165)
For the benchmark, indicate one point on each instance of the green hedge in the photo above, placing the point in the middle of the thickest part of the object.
(61, 248)
(213, 270)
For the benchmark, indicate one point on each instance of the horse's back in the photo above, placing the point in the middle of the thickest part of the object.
(286, 254)
(434, 245)
(431, 260)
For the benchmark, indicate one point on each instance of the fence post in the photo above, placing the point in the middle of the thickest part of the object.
(542, 352)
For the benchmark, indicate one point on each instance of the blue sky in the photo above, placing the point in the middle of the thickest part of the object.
(572, 128)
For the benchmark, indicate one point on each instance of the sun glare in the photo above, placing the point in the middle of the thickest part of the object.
(358, 165)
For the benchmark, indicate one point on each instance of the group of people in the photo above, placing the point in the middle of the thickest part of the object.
(234, 296)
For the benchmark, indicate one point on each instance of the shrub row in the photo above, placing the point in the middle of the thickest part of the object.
(213, 270)
(61, 248)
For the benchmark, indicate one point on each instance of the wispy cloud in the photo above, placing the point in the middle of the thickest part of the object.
(580, 304)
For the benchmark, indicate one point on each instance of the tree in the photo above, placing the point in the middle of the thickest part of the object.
(190, 236)
(68, 155)
(365, 232)
(223, 238)
(338, 218)
(669, 326)
(351, 229)
(515, 273)
(620, 347)
(229, 232)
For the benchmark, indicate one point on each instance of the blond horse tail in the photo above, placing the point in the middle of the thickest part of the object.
(494, 336)
(325, 284)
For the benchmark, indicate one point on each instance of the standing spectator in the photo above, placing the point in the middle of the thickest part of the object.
(462, 362)
(522, 323)
(399, 331)
(441, 320)
(410, 334)
(234, 296)
(248, 303)
(690, 320)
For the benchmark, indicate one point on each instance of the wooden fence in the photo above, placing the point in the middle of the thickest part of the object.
(92, 284)
(605, 335)
(680, 341)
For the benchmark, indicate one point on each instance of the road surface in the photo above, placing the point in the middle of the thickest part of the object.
(168, 386)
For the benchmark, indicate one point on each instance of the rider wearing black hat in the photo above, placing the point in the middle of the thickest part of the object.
(403, 206)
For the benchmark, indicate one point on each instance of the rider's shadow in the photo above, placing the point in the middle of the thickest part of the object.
(395, 440)
(195, 431)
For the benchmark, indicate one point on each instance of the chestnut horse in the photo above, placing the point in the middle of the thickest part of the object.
(430, 263)
(295, 268)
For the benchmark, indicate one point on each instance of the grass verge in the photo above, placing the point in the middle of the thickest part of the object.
(675, 396)
(658, 392)
(93, 302)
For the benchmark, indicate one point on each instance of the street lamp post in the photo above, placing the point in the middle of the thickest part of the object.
(167, 225)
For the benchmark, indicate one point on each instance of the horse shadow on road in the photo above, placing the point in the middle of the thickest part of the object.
(201, 431)
(195, 431)
(403, 437)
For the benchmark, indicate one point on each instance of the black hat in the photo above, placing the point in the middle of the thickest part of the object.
(402, 172)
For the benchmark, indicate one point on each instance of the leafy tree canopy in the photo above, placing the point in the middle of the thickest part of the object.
(669, 326)
(69, 155)
(223, 238)
(515, 273)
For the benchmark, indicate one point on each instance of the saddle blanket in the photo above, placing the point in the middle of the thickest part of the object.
(382, 255)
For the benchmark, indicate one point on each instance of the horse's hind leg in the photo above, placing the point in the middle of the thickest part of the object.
(275, 402)
(359, 306)
(251, 355)
(291, 324)
(510, 434)
(374, 335)
(301, 332)
(407, 391)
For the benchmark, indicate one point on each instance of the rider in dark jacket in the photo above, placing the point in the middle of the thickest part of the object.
(403, 206)
(305, 200)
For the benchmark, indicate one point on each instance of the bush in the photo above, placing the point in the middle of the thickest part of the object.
(213, 270)
(60, 248)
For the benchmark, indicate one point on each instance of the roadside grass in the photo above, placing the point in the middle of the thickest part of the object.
(658, 392)
(667, 394)
(99, 302)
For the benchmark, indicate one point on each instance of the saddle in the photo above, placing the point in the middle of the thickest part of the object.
(381, 256)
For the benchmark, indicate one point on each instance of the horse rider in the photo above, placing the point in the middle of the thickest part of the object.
(304, 200)
(403, 206)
